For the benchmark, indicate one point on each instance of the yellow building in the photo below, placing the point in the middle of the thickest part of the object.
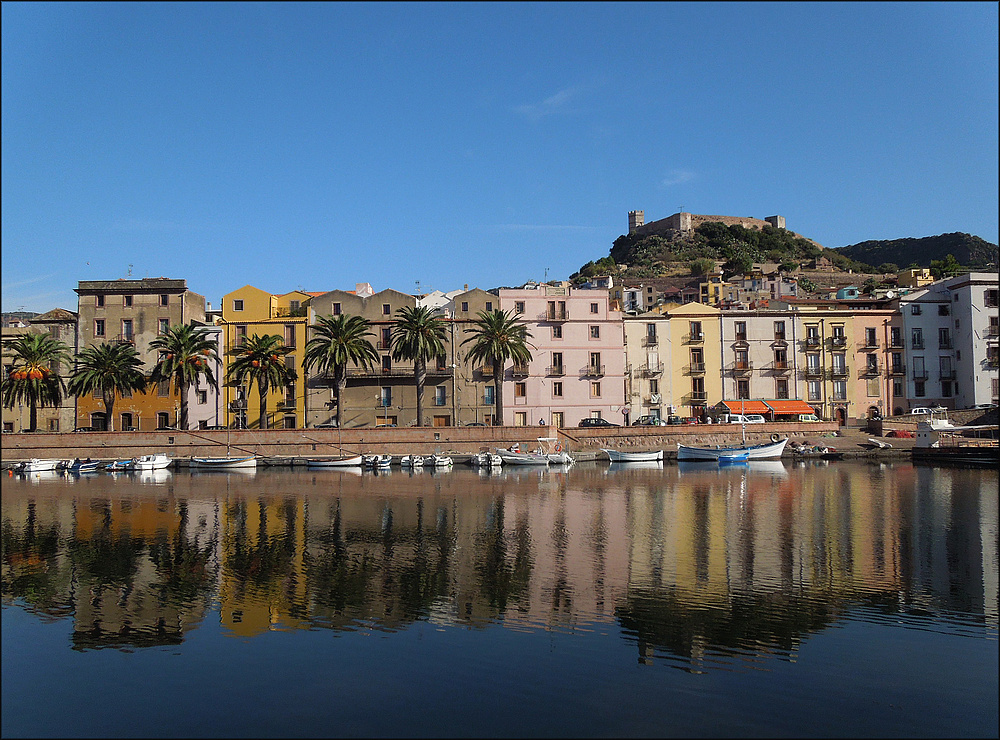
(695, 363)
(249, 311)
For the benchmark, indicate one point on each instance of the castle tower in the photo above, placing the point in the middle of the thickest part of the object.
(777, 222)
(635, 220)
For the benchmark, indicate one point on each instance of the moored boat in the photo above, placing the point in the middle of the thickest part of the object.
(645, 456)
(486, 460)
(349, 461)
(412, 461)
(767, 451)
(157, 461)
(37, 465)
(83, 466)
(441, 461)
(513, 457)
(377, 461)
(225, 463)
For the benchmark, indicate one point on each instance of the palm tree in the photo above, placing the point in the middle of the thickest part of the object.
(336, 341)
(418, 335)
(260, 360)
(108, 368)
(34, 377)
(498, 337)
(186, 353)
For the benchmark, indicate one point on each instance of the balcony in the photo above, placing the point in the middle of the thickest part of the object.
(485, 371)
(438, 370)
(779, 339)
(290, 313)
(779, 368)
(519, 371)
(840, 372)
(554, 315)
(741, 368)
(741, 338)
(869, 371)
(558, 370)
(649, 341)
(945, 344)
(897, 370)
(695, 337)
(917, 344)
(592, 371)
(124, 339)
(814, 372)
(650, 370)
(698, 396)
(920, 375)
(869, 344)
(838, 340)
(812, 340)
(695, 368)
(896, 343)
(383, 344)
(948, 375)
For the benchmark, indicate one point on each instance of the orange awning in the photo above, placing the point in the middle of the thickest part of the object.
(747, 406)
(785, 406)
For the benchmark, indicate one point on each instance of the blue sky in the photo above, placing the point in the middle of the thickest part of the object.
(316, 146)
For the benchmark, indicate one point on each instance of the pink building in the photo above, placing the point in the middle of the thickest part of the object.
(577, 368)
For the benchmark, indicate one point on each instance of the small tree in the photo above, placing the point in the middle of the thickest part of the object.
(497, 337)
(186, 354)
(34, 376)
(418, 335)
(109, 369)
(260, 360)
(338, 340)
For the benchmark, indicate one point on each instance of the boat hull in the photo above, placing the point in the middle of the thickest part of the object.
(768, 451)
(649, 456)
(150, 462)
(224, 463)
(344, 462)
(522, 458)
(38, 466)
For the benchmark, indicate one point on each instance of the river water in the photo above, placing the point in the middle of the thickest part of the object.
(769, 600)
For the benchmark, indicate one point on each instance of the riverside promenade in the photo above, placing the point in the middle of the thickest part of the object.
(290, 445)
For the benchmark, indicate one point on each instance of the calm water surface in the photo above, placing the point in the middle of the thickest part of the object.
(841, 599)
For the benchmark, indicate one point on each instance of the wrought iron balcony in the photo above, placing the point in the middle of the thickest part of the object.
(554, 315)
(897, 370)
(651, 369)
(649, 341)
(124, 339)
(813, 371)
(593, 371)
(485, 370)
(838, 340)
(743, 367)
(383, 344)
(696, 368)
(948, 375)
(870, 344)
(780, 339)
(917, 344)
(519, 371)
(375, 372)
(840, 372)
(555, 370)
(698, 395)
(869, 371)
(812, 340)
(779, 368)
(945, 344)
(920, 375)
(695, 337)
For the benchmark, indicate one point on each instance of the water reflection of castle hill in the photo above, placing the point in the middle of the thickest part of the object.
(705, 552)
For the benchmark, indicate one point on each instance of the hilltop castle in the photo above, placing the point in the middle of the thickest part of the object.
(686, 222)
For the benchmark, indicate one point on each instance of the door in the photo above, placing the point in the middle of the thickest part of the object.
(841, 415)
(442, 421)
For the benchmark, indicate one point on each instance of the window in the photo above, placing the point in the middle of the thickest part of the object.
(386, 341)
(897, 387)
(743, 389)
(98, 327)
(127, 422)
(202, 398)
(386, 363)
(164, 299)
(336, 309)
(440, 395)
(289, 335)
(289, 422)
(919, 390)
(164, 326)
(654, 386)
(162, 420)
(779, 329)
(871, 339)
(557, 419)
(813, 390)
(127, 301)
(897, 362)
(781, 388)
(557, 332)
(994, 329)
(385, 396)
(465, 306)
(294, 305)
(595, 361)
(53, 425)
(896, 336)
(917, 339)
(519, 306)
(944, 339)
(442, 362)
(520, 390)
(557, 362)
(489, 305)
(943, 309)
(386, 309)
(840, 363)
(241, 333)
(651, 333)
(694, 327)
(945, 389)
(992, 298)
(521, 419)
(127, 330)
(595, 331)
(237, 304)
(781, 358)
(290, 362)
(488, 397)
(742, 359)
(595, 389)
(100, 301)
(741, 331)
(839, 390)
(593, 308)
(557, 390)
(915, 310)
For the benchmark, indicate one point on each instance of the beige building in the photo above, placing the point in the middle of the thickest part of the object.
(695, 363)
(647, 364)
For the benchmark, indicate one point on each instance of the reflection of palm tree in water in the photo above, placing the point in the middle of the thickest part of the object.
(503, 578)
(183, 565)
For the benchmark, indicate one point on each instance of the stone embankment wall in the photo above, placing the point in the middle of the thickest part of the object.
(370, 440)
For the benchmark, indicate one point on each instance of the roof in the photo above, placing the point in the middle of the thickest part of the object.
(788, 406)
(747, 406)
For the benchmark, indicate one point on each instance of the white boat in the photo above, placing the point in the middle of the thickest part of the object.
(560, 458)
(117, 466)
(412, 461)
(441, 461)
(83, 466)
(486, 460)
(157, 461)
(767, 451)
(228, 462)
(647, 456)
(377, 461)
(36, 465)
(515, 457)
(351, 461)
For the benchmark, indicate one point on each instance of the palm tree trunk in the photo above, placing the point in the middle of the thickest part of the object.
(262, 389)
(340, 379)
(109, 411)
(32, 415)
(498, 392)
(184, 405)
(420, 374)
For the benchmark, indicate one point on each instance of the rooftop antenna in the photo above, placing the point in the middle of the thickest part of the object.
(130, 269)
(418, 287)
(680, 209)
(546, 275)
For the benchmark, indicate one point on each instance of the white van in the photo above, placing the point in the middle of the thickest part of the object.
(808, 417)
(746, 419)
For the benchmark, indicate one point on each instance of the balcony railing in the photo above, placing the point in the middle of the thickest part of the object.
(945, 344)
(655, 368)
(780, 368)
(695, 337)
(948, 375)
(383, 344)
(593, 371)
(920, 375)
(519, 371)
(814, 372)
(698, 395)
(374, 372)
(838, 340)
(812, 340)
(124, 339)
(741, 367)
(869, 371)
(437, 370)
(840, 372)
(555, 370)
(649, 341)
(918, 344)
(555, 315)
(440, 401)
(869, 344)
(696, 368)
(780, 339)
(897, 370)
(741, 338)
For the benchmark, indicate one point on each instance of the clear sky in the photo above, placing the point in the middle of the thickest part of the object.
(316, 146)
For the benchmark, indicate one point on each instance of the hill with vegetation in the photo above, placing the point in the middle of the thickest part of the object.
(671, 253)
(967, 249)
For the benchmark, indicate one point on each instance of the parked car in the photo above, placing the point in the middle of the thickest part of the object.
(985, 406)
(809, 417)
(326, 425)
(475, 424)
(86, 429)
(210, 428)
(597, 422)
(920, 410)
(649, 421)
(746, 419)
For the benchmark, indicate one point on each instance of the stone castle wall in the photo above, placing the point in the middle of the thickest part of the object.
(685, 222)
